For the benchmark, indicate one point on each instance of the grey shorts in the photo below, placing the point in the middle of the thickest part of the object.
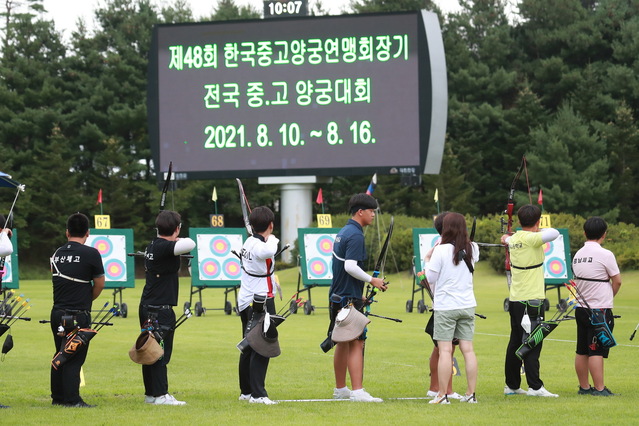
(459, 323)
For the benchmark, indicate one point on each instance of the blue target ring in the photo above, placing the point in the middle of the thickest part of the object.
(220, 246)
(556, 267)
(114, 270)
(210, 269)
(103, 246)
(317, 267)
(324, 244)
(232, 268)
(6, 272)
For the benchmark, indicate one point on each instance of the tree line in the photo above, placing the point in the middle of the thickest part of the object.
(554, 80)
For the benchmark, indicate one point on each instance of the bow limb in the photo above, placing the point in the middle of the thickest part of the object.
(165, 188)
(381, 262)
(246, 208)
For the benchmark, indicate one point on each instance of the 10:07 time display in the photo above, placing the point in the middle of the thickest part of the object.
(288, 134)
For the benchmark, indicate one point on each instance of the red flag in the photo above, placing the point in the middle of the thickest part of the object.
(99, 197)
(540, 199)
(319, 199)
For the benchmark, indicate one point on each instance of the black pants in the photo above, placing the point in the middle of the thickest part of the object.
(65, 381)
(531, 361)
(253, 366)
(155, 376)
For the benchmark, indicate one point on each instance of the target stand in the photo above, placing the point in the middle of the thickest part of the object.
(315, 263)
(115, 246)
(216, 265)
(423, 240)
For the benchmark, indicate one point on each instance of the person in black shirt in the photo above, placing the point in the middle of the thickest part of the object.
(78, 279)
(160, 294)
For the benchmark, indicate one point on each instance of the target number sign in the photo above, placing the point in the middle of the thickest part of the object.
(113, 245)
(217, 265)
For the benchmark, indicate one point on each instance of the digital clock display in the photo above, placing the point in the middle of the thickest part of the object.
(284, 8)
(324, 96)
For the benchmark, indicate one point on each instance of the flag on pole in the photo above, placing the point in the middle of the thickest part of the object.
(436, 197)
(540, 198)
(214, 195)
(319, 199)
(372, 185)
(99, 197)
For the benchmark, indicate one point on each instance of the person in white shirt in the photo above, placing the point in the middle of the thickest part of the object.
(450, 274)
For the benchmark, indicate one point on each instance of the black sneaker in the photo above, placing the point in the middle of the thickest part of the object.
(4, 406)
(80, 404)
(583, 391)
(604, 392)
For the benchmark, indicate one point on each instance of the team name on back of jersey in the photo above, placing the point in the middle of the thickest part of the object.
(582, 260)
(246, 254)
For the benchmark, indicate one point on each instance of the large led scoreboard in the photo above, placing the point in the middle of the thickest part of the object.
(325, 96)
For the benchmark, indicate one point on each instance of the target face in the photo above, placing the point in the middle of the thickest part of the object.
(426, 242)
(6, 271)
(112, 246)
(216, 260)
(318, 256)
(114, 269)
(555, 264)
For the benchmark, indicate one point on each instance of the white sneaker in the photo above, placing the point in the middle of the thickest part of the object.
(541, 392)
(262, 400)
(167, 399)
(469, 399)
(343, 393)
(509, 391)
(439, 400)
(149, 399)
(245, 397)
(360, 395)
(431, 394)
(454, 395)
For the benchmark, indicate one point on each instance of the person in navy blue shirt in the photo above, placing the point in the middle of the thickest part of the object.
(349, 254)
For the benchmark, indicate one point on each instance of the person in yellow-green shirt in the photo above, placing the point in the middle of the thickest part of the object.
(527, 294)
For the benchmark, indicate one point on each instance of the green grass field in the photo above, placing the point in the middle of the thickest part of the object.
(203, 370)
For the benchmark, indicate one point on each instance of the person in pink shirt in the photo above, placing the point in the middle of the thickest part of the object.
(598, 280)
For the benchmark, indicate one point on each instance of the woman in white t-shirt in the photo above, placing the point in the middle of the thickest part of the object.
(450, 274)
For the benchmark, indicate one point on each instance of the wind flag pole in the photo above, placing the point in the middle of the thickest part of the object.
(436, 198)
(540, 200)
(99, 201)
(372, 185)
(214, 198)
(320, 200)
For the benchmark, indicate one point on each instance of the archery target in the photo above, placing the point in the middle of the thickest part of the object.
(112, 248)
(215, 256)
(7, 275)
(319, 256)
(426, 242)
(555, 265)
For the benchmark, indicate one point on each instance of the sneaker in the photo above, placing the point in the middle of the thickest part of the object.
(541, 392)
(509, 391)
(454, 395)
(360, 395)
(245, 397)
(4, 406)
(469, 399)
(262, 400)
(604, 392)
(167, 399)
(583, 391)
(149, 399)
(342, 393)
(431, 394)
(79, 404)
(439, 400)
